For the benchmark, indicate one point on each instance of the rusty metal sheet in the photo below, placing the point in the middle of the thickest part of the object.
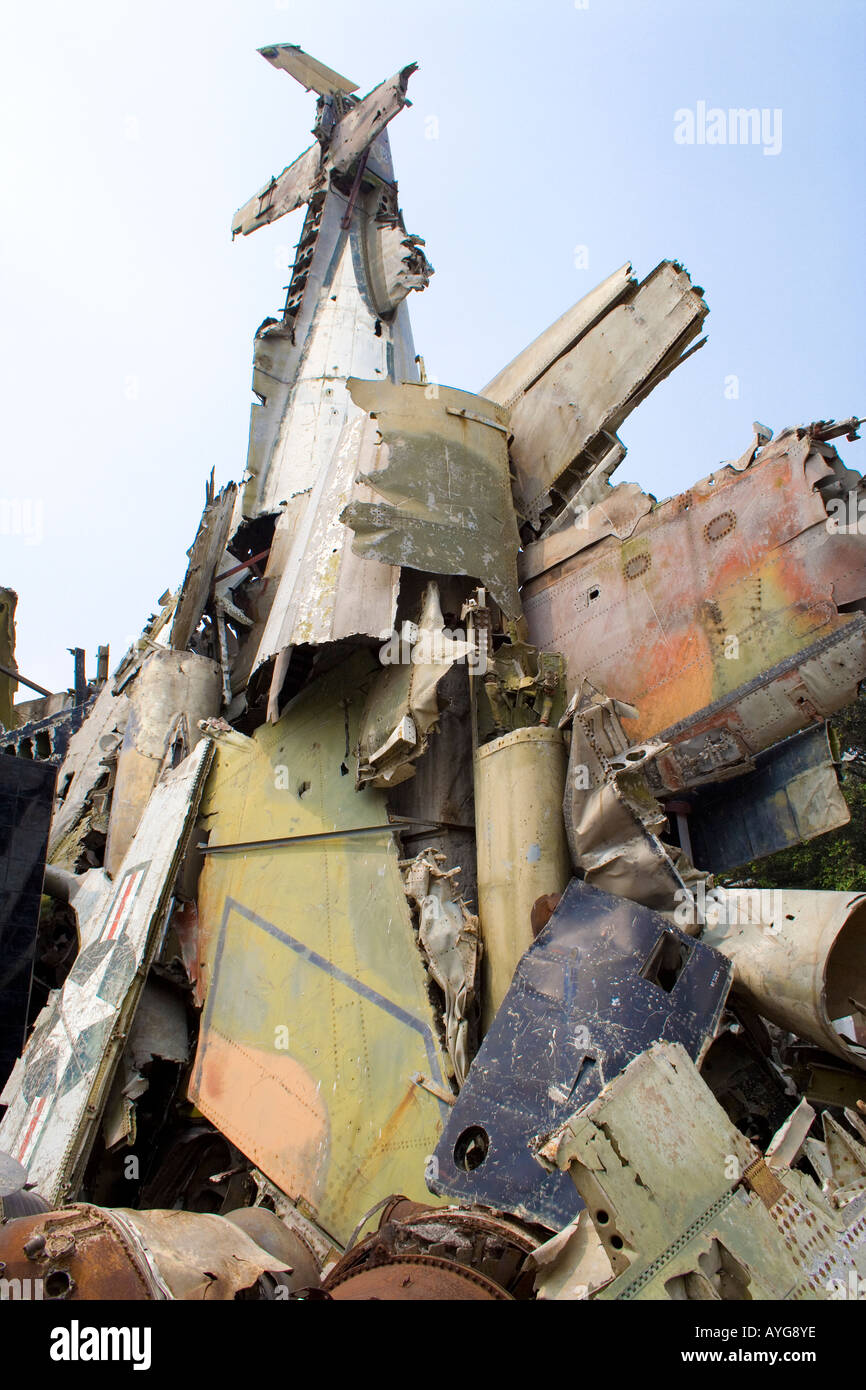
(617, 513)
(416, 1278)
(56, 1092)
(79, 1254)
(443, 477)
(717, 618)
(602, 981)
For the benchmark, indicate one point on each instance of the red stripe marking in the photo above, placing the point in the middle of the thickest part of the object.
(120, 906)
(31, 1127)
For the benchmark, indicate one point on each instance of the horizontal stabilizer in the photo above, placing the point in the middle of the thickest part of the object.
(308, 71)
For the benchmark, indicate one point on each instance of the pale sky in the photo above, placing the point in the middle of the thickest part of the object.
(133, 132)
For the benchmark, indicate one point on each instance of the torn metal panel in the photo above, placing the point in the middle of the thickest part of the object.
(602, 981)
(46, 736)
(160, 1027)
(364, 122)
(331, 329)
(800, 960)
(172, 692)
(57, 1090)
(616, 513)
(439, 798)
(83, 773)
(792, 796)
(613, 822)
(449, 937)
(322, 591)
(522, 850)
(205, 554)
(744, 1076)
(786, 1144)
(686, 1207)
(403, 706)
(396, 265)
(847, 1158)
(26, 798)
(322, 1250)
(587, 392)
(200, 1255)
(285, 1241)
(718, 617)
(307, 438)
(572, 1264)
(317, 1015)
(446, 505)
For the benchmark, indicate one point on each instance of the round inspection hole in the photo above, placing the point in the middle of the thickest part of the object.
(471, 1148)
(602, 1218)
(617, 1242)
(58, 1284)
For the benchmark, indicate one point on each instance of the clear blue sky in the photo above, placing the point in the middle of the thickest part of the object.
(132, 132)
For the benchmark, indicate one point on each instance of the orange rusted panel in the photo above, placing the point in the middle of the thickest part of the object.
(718, 617)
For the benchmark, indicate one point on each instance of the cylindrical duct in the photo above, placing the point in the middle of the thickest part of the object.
(800, 959)
(522, 850)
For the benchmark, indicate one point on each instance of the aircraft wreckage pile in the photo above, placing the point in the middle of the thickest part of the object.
(393, 972)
